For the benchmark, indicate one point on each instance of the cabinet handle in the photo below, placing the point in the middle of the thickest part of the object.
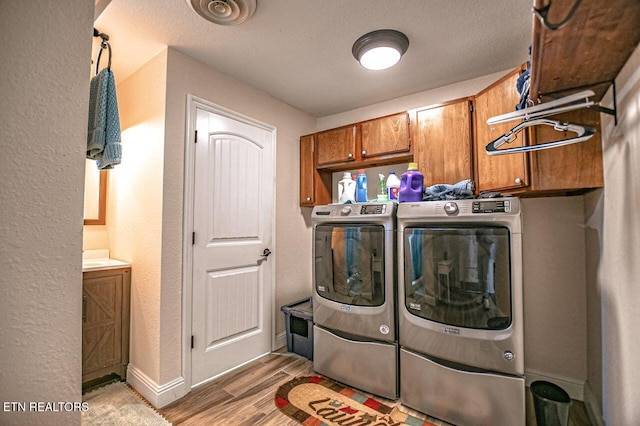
(518, 181)
(84, 308)
(350, 155)
(308, 198)
(364, 152)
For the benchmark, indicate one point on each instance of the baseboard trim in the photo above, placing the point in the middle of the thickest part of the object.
(575, 388)
(280, 341)
(157, 395)
(593, 406)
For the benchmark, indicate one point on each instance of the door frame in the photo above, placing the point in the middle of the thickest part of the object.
(193, 104)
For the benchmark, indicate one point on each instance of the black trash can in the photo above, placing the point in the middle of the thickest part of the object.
(551, 404)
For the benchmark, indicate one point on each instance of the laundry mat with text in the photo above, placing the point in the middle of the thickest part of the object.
(316, 401)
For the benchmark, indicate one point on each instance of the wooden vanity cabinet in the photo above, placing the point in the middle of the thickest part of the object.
(105, 323)
(443, 144)
(315, 186)
(499, 172)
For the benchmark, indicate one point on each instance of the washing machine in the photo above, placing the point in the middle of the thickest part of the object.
(354, 295)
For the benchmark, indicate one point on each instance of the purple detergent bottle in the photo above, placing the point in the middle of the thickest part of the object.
(411, 184)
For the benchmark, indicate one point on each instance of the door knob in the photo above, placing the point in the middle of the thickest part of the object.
(266, 253)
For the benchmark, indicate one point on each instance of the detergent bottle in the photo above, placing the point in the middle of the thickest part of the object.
(382, 189)
(411, 184)
(346, 189)
(361, 187)
(393, 186)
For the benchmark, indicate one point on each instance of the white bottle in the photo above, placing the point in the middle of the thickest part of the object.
(346, 189)
(393, 186)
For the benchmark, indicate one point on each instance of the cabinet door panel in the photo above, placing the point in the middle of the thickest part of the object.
(567, 167)
(307, 170)
(102, 322)
(336, 146)
(442, 146)
(502, 171)
(386, 135)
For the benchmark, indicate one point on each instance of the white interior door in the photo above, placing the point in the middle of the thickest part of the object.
(233, 222)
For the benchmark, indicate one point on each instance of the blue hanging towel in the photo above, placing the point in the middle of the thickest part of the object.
(103, 135)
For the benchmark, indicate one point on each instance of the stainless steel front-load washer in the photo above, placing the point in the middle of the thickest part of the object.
(354, 296)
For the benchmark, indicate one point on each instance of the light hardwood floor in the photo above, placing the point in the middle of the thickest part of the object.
(245, 397)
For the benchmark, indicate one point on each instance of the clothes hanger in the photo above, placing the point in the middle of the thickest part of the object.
(568, 103)
(583, 133)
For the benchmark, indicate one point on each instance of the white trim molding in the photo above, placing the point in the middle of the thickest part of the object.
(594, 409)
(280, 341)
(157, 395)
(575, 388)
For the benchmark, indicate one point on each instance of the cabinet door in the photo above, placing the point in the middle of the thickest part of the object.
(336, 146)
(315, 186)
(442, 142)
(568, 167)
(386, 135)
(105, 323)
(498, 172)
(307, 170)
(101, 322)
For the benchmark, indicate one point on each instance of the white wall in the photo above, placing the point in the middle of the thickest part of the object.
(46, 54)
(619, 268)
(134, 211)
(555, 291)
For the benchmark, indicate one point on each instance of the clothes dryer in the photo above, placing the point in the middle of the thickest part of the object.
(461, 310)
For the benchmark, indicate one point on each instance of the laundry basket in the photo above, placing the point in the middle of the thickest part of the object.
(299, 324)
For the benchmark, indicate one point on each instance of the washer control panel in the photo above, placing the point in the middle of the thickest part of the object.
(373, 209)
(489, 206)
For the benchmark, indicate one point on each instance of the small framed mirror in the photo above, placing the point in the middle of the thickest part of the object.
(95, 194)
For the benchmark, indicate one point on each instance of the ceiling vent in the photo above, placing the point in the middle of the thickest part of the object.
(224, 12)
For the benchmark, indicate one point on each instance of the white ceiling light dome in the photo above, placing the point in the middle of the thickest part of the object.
(380, 49)
(224, 12)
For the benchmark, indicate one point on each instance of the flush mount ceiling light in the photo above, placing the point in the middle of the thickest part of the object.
(380, 49)
(224, 12)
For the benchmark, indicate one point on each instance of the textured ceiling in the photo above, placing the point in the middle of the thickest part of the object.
(299, 51)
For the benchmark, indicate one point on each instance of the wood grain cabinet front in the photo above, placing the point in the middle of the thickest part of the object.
(385, 136)
(315, 185)
(442, 142)
(336, 146)
(105, 323)
(498, 172)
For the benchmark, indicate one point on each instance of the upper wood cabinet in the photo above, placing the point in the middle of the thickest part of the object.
(498, 172)
(336, 146)
(386, 135)
(315, 186)
(442, 142)
(570, 167)
(588, 51)
(376, 142)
